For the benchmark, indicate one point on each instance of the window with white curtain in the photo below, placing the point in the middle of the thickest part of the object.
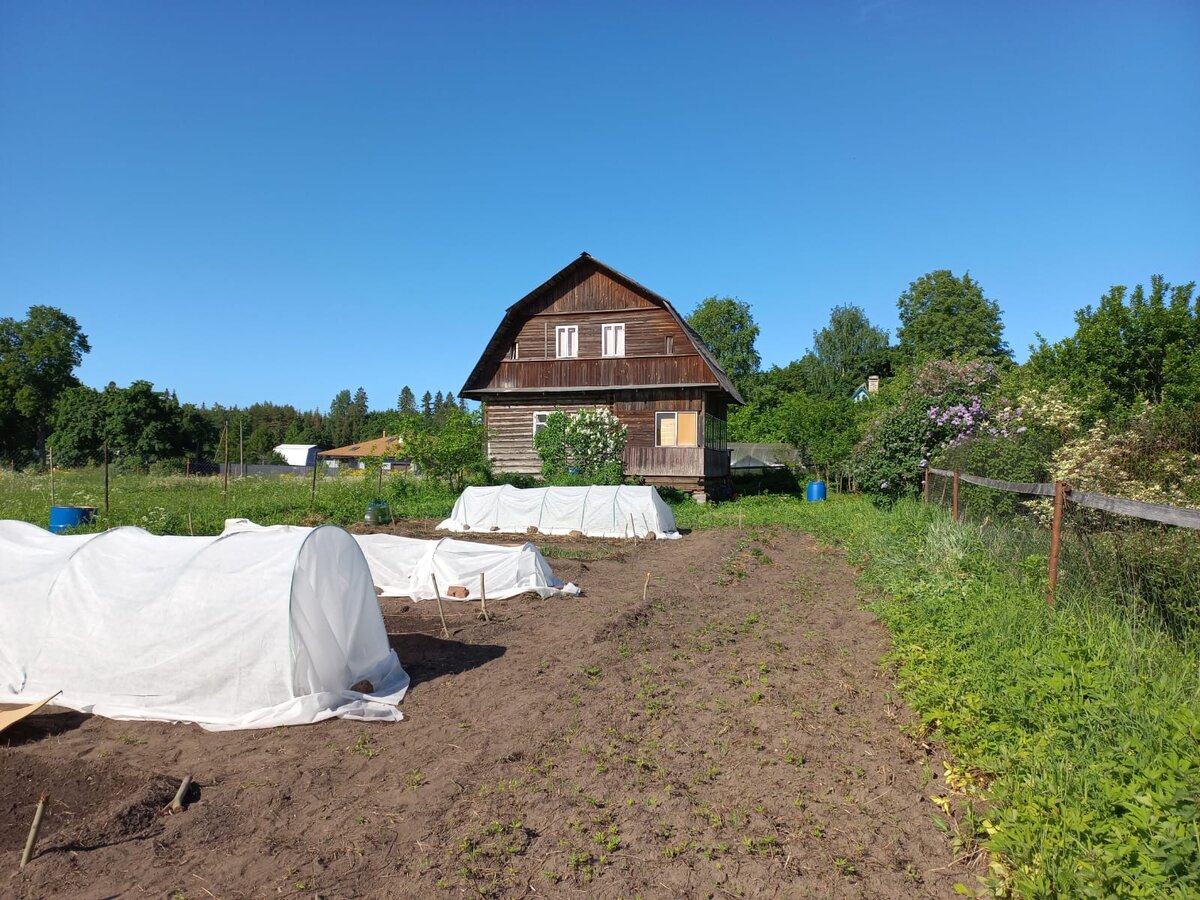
(566, 341)
(613, 339)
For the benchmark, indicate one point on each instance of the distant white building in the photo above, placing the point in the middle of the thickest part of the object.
(298, 454)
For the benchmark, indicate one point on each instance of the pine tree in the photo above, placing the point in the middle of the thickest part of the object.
(408, 401)
(427, 405)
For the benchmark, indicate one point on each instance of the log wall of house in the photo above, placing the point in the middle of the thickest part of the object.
(510, 421)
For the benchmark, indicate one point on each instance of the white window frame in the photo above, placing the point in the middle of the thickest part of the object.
(539, 425)
(618, 330)
(675, 414)
(571, 333)
(514, 352)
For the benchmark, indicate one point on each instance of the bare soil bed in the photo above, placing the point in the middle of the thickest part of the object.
(733, 734)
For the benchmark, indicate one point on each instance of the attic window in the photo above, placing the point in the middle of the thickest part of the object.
(613, 339)
(669, 341)
(566, 341)
(514, 352)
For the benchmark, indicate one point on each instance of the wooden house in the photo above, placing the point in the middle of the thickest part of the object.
(592, 337)
(389, 450)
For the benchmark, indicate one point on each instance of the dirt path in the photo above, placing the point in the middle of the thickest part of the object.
(733, 735)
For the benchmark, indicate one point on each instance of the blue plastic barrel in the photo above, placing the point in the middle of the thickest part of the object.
(63, 518)
(816, 491)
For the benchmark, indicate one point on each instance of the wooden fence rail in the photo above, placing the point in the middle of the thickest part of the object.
(1178, 516)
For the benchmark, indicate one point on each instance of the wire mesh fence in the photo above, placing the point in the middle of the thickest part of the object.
(1142, 557)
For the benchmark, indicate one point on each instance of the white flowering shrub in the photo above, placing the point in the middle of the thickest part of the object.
(589, 443)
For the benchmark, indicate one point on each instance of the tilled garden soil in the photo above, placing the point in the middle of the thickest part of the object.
(726, 730)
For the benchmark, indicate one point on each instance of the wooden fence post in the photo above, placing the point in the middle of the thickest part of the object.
(925, 485)
(106, 478)
(954, 508)
(1060, 495)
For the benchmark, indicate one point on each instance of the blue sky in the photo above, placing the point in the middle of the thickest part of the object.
(274, 201)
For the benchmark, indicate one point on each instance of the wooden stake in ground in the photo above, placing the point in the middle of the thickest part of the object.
(226, 439)
(1060, 496)
(646, 587)
(954, 501)
(31, 841)
(483, 596)
(316, 462)
(106, 478)
(441, 613)
(50, 453)
(176, 805)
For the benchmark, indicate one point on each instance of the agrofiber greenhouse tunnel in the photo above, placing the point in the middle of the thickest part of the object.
(246, 630)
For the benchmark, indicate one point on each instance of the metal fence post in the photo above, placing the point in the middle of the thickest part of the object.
(954, 509)
(1060, 494)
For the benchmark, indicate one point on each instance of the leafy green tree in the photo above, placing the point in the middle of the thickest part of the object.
(824, 431)
(727, 327)
(77, 437)
(142, 424)
(849, 348)
(454, 452)
(38, 358)
(942, 317)
(1132, 347)
(199, 434)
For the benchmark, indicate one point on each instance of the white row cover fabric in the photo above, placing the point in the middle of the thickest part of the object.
(405, 567)
(615, 511)
(245, 630)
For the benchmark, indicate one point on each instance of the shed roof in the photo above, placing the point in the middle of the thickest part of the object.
(515, 314)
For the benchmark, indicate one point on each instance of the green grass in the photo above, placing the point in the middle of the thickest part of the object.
(1078, 726)
(175, 505)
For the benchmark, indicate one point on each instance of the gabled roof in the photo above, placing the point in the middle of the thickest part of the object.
(380, 446)
(494, 352)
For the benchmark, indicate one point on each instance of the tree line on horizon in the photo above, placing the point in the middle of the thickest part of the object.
(1135, 348)
(43, 406)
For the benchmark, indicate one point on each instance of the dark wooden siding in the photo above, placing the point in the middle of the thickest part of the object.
(509, 421)
(590, 300)
(646, 331)
(588, 290)
(613, 371)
